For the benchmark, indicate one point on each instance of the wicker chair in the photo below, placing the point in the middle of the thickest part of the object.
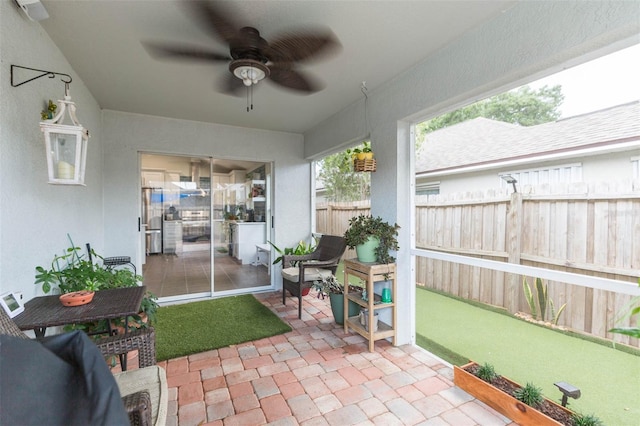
(322, 262)
(143, 390)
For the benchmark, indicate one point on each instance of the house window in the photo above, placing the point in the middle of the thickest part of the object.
(429, 188)
(565, 173)
(635, 167)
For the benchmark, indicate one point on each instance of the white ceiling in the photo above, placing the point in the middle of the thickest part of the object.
(380, 39)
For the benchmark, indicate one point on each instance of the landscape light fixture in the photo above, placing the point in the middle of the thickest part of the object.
(568, 390)
(511, 180)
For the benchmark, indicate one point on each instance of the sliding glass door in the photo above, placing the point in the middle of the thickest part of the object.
(203, 222)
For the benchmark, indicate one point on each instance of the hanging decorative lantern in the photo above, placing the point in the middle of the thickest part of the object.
(66, 145)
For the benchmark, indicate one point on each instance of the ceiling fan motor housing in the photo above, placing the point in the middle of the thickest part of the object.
(249, 71)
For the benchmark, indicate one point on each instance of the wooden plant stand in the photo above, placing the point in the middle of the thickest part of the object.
(371, 273)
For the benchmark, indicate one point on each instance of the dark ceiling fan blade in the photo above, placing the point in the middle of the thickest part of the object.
(214, 19)
(183, 52)
(231, 85)
(299, 46)
(295, 80)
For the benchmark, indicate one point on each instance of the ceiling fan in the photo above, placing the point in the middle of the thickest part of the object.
(251, 58)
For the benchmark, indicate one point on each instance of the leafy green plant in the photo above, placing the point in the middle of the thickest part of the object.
(362, 227)
(331, 285)
(586, 420)
(632, 311)
(363, 147)
(74, 271)
(544, 302)
(486, 372)
(301, 248)
(328, 285)
(530, 395)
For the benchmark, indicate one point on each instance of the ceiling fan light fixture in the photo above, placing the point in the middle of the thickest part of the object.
(249, 71)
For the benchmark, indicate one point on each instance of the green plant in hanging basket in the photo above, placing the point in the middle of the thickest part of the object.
(362, 227)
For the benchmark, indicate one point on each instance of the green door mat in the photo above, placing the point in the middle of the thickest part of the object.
(211, 324)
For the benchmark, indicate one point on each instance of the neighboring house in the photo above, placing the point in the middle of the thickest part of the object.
(473, 155)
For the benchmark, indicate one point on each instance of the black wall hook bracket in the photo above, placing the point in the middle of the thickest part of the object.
(45, 73)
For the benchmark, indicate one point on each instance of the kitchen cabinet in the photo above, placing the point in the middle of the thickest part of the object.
(245, 236)
(219, 184)
(371, 274)
(237, 176)
(172, 237)
(170, 177)
(153, 178)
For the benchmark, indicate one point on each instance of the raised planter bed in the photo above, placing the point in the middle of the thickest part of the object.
(498, 396)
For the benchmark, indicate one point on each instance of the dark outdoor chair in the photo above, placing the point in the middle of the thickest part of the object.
(143, 390)
(322, 262)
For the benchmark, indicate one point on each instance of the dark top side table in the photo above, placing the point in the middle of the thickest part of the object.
(47, 311)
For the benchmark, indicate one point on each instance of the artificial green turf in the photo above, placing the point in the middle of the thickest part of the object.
(201, 326)
(609, 379)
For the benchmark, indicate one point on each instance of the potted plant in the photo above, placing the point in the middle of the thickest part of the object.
(361, 152)
(331, 287)
(524, 405)
(372, 238)
(301, 248)
(366, 150)
(73, 271)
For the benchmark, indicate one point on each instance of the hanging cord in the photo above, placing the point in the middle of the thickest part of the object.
(364, 90)
(250, 89)
(250, 97)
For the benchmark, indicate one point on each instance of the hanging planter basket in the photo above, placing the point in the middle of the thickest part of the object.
(364, 165)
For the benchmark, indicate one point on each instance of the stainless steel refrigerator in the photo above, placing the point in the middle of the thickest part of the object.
(152, 200)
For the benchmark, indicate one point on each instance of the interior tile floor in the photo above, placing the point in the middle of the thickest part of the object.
(318, 375)
(190, 272)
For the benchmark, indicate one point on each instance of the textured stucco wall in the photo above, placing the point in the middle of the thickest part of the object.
(35, 216)
(127, 134)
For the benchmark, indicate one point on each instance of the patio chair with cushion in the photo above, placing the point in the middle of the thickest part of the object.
(321, 263)
(143, 391)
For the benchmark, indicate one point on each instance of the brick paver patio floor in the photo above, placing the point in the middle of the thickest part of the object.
(317, 375)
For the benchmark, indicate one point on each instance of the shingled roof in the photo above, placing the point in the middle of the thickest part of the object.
(485, 141)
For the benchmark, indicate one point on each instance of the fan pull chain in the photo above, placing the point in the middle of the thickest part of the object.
(250, 97)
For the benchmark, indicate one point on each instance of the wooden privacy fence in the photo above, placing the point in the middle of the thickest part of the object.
(585, 229)
(579, 228)
(333, 218)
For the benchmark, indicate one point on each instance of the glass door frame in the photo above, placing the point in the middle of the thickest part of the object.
(211, 293)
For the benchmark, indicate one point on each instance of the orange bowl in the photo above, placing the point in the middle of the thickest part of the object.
(77, 298)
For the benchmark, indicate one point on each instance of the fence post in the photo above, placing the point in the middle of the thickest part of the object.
(514, 231)
(329, 225)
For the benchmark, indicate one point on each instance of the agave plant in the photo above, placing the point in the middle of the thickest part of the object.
(544, 302)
